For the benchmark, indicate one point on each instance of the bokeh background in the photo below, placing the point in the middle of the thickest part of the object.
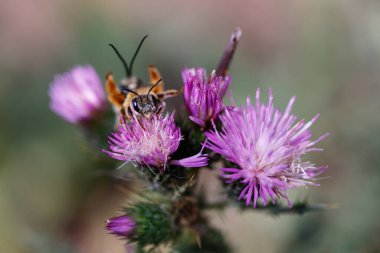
(326, 52)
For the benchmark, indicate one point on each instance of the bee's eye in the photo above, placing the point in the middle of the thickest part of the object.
(154, 100)
(135, 105)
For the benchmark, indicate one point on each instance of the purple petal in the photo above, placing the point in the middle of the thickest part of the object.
(122, 225)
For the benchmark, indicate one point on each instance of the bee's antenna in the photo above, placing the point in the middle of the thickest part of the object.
(124, 89)
(127, 70)
(154, 86)
(134, 56)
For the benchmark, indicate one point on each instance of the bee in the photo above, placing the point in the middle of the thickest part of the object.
(132, 96)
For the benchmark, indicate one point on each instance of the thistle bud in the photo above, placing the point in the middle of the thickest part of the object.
(144, 223)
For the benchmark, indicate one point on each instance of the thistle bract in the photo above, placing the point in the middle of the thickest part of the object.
(267, 148)
(153, 223)
(77, 96)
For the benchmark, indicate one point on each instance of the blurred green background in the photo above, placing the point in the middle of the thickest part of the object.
(325, 52)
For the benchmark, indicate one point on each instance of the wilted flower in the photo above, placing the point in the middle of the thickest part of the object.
(150, 142)
(121, 225)
(267, 147)
(77, 95)
(204, 95)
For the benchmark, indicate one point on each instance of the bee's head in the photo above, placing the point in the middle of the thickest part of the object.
(146, 105)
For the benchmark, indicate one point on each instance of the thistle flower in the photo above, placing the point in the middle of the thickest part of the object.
(150, 142)
(203, 95)
(77, 96)
(121, 225)
(267, 147)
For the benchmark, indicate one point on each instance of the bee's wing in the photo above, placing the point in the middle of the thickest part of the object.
(154, 76)
(115, 96)
(167, 94)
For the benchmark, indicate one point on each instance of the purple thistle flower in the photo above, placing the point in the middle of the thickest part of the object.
(121, 225)
(150, 142)
(203, 95)
(77, 95)
(267, 147)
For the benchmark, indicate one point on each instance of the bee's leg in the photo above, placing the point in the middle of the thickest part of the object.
(115, 96)
(154, 76)
(124, 116)
(161, 108)
(167, 94)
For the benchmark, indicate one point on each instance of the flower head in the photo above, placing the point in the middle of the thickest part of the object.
(203, 95)
(267, 147)
(150, 142)
(121, 225)
(77, 95)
